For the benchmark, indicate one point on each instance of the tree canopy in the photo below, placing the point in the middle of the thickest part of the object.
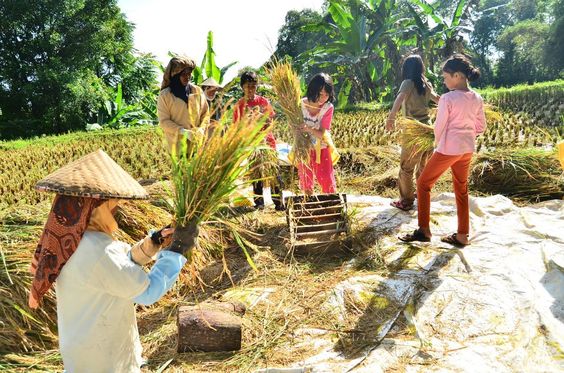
(61, 59)
(512, 41)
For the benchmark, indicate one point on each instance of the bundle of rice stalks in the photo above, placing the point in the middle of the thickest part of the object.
(420, 136)
(207, 170)
(527, 174)
(492, 114)
(264, 164)
(415, 134)
(135, 218)
(286, 85)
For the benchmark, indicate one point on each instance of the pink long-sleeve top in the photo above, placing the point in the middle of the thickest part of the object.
(460, 118)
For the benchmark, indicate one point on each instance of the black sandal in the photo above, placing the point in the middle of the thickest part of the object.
(417, 235)
(451, 239)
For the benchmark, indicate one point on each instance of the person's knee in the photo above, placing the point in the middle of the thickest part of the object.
(405, 167)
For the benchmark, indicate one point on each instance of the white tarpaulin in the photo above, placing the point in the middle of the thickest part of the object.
(494, 306)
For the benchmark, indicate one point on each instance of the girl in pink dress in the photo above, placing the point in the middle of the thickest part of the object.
(317, 110)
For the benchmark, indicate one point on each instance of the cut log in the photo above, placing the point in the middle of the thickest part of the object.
(207, 330)
(233, 306)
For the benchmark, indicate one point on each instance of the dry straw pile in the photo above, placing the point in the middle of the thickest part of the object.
(23, 329)
(525, 174)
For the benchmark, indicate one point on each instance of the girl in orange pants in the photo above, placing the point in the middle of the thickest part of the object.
(460, 118)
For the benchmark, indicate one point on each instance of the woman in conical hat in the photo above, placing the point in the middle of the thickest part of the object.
(182, 107)
(211, 89)
(99, 279)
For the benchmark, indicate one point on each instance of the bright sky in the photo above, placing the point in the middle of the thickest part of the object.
(244, 30)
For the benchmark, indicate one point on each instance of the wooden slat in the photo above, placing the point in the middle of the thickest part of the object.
(314, 198)
(317, 211)
(318, 224)
(321, 235)
(307, 205)
(319, 227)
(310, 220)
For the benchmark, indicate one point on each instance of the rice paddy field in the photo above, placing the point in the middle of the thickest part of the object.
(516, 158)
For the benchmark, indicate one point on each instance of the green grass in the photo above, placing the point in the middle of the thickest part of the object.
(551, 86)
(69, 138)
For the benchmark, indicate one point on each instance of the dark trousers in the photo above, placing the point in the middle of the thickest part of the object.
(276, 189)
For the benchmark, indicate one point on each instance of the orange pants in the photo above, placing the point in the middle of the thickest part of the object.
(410, 161)
(437, 165)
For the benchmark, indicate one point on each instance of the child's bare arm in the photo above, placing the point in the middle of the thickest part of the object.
(392, 115)
(318, 133)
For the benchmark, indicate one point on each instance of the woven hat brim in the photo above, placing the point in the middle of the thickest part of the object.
(95, 175)
(85, 193)
(210, 82)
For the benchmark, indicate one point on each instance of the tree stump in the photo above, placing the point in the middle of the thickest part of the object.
(209, 327)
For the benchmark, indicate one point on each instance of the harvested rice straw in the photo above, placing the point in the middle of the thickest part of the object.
(421, 136)
(263, 164)
(23, 329)
(416, 134)
(286, 85)
(524, 173)
(206, 171)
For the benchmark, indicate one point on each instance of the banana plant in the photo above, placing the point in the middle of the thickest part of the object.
(361, 32)
(117, 113)
(208, 65)
(436, 36)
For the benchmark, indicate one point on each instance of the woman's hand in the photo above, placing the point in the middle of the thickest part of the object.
(158, 237)
(390, 124)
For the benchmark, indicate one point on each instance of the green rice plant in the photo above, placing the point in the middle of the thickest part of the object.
(543, 102)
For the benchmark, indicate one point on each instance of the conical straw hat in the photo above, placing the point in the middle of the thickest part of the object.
(210, 82)
(95, 175)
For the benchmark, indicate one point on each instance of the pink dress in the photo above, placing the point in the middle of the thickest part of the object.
(323, 171)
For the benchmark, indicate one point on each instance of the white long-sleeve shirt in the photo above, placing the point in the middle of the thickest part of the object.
(96, 290)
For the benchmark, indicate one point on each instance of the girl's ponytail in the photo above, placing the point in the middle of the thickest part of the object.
(459, 63)
(473, 74)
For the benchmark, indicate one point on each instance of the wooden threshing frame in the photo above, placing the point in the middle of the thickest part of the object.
(318, 224)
